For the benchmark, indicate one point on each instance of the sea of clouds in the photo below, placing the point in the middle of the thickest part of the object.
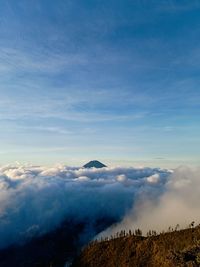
(35, 199)
(179, 204)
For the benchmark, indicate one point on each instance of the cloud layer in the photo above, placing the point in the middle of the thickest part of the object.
(179, 204)
(36, 199)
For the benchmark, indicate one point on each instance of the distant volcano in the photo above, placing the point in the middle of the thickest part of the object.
(94, 164)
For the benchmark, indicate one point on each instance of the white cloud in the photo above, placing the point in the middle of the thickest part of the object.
(178, 204)
(153, 178)
(121, 178)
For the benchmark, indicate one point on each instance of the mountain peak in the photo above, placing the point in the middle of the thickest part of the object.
(94, 164)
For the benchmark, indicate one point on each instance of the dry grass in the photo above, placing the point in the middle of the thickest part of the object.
(177, 248)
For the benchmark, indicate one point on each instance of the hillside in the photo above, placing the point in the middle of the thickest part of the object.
(177, 248)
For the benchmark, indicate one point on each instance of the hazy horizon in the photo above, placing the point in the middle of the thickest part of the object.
(155, 163)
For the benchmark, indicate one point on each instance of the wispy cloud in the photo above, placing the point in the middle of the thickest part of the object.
(14, 61)
(176, 6)
(125, 71)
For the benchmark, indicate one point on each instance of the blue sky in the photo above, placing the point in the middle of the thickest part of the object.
(111, 80)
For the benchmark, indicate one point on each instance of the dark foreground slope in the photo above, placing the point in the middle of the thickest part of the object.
(178, 248)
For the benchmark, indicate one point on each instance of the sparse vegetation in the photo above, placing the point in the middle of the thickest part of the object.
(174, 248)
(128, 249)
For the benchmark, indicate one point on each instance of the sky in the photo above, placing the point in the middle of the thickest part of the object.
(114, 80)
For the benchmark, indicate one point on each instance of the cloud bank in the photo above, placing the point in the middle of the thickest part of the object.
(178, 204)
(35, 199)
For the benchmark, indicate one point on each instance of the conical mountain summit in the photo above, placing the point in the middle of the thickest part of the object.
(94, 164)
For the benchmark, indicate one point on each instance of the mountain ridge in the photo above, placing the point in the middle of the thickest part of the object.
(171, 249)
